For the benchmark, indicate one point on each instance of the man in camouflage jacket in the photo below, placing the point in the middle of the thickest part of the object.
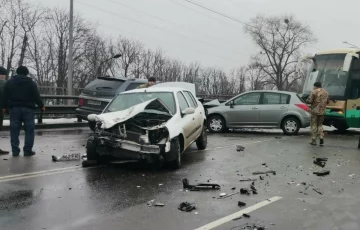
(318, 99)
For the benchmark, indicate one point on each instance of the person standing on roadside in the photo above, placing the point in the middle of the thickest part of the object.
(20, 97)
(151, 82)
(3, 73)
(318, 100)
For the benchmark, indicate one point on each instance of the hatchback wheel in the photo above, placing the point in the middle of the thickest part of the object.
(216, 124)
(291, 126)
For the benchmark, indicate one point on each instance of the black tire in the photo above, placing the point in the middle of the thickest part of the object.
(216, 124)
(201, 142)
(92, 125)
(91, 150)
(291, 126)
(175, 151)
(341, 128)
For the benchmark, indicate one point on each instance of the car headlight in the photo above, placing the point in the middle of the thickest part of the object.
(156, 135)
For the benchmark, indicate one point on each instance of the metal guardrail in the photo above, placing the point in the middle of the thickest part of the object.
(68, 106)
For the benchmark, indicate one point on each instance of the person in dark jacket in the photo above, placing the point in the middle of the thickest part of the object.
(20, 97)
(2, 85)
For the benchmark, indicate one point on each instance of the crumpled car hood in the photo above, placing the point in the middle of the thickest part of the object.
(108, 120)
(213, 103)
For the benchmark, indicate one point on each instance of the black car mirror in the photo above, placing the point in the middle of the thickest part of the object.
(231, 104)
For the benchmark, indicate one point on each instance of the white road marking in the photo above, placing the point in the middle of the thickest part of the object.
(228, 146)
(42, 173)
(239, 214)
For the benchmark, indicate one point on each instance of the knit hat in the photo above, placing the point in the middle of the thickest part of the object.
(2, 71)
(22, 70)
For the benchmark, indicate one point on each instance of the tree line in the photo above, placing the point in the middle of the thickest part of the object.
(37, 37)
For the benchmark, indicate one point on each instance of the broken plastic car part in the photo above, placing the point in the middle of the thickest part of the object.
(202, 186)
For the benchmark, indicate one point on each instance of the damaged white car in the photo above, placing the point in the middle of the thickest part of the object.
(149, 124)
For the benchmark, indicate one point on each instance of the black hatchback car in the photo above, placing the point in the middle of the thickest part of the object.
(97, 94)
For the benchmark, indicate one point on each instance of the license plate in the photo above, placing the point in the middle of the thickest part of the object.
(91, 102)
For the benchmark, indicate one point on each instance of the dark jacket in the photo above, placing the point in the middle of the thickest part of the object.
(2, 86)
(21, 91)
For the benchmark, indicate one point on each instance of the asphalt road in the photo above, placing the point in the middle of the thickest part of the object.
(36, 193)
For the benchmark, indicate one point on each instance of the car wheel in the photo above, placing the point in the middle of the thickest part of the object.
(175, 151)
(91, 150)
(216, 124)
(92, 125)
(201, 142)
(291, 126)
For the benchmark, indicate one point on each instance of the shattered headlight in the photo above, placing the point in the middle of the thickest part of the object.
(155, 136)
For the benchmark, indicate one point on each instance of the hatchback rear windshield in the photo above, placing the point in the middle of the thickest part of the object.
(102, 84)
(301, 99)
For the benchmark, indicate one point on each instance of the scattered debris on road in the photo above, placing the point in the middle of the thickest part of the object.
(317, 190)
(322, 173)
(247, 180)
(278, 137)
(241, 204)
(240, 148)
(233, 188)
(199, 187)
(186, 207)
(320, 162)
(265, 172)
(159, 205)
(261, 178)
(66, 157)
(246, 215)
(222, 196)
(244, 191)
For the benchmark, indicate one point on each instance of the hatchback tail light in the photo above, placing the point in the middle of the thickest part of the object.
(81, 102)
(303, 107)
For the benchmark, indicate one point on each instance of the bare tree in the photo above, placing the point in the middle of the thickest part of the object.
(280, 40)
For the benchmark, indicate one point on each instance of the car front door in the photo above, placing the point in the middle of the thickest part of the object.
(187, 121)
(244, 110)
(199, 112)
(273, 106)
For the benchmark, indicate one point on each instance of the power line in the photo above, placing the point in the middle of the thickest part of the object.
(173, 44)
(216, 12)
(162, 19)
(199, 12)
(149, 25)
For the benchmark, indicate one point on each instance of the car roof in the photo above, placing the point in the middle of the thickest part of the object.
(156, 89)
(272, 91)
(339, 51)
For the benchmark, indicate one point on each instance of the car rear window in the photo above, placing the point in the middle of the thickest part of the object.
(301, 99)
(276, 99)
(102, 84)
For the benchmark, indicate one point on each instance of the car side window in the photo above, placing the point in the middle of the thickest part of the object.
(248, 99)
(190, 99)
(133, 86)
(285, 99)
(275, 99)
(182, 101)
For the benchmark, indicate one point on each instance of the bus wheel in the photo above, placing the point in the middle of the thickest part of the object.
(342, 128)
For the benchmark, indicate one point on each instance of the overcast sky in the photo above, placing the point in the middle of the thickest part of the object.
(190, 33)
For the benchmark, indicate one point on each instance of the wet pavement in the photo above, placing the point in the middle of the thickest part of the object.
(36, 193)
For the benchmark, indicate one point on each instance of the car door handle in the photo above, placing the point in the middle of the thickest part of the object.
(255, 108)
(282, 107)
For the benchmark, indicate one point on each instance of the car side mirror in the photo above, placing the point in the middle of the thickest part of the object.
(347, 61)
(91, 117)
(188, 111)
(231, 104)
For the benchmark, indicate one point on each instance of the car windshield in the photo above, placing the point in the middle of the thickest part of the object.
(127, 100)
(327, 69)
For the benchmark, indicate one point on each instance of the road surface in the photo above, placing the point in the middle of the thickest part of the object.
(36, 193)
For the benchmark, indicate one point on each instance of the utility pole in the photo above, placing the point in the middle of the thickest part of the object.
(70, 60)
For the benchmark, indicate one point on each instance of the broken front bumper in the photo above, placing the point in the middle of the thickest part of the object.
(128, 145)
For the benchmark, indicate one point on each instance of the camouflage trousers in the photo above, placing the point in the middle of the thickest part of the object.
(316, 126)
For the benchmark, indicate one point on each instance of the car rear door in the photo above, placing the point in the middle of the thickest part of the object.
(245, 111)
(273, 108)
